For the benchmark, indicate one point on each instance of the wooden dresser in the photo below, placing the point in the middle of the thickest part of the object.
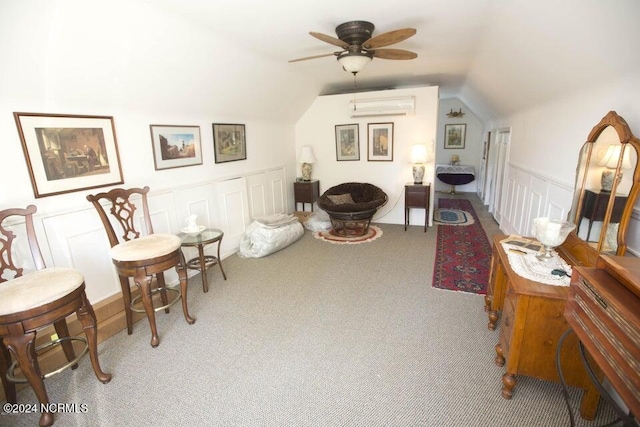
(604, 312)
(575, 251)
(532, 323)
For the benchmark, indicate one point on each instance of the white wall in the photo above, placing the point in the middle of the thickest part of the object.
(140, 66)
(546, 140)
(317, 129)
(471, 154)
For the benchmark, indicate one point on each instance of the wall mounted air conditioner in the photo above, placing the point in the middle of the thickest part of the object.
(399, 106)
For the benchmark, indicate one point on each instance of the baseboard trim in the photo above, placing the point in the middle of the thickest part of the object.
(111, 320)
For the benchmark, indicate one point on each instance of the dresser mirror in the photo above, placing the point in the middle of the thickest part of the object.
(607, 183)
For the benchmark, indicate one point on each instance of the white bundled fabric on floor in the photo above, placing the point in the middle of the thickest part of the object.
(269, 234)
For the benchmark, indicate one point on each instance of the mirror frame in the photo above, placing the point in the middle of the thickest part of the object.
(628, 141)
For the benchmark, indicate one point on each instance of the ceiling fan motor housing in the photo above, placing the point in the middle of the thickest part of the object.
(355, 32)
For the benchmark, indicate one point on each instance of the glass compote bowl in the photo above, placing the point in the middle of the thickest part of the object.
(551, 233)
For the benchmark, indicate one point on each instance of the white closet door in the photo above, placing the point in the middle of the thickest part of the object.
(502, 147)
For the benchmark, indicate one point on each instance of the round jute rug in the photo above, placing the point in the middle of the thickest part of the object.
(450, 216)
(329, 236)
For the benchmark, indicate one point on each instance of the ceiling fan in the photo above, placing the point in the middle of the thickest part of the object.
(359, 47)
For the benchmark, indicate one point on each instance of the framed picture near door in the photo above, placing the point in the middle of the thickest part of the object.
(454, 136)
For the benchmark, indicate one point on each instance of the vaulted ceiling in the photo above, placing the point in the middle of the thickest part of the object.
(497, 56)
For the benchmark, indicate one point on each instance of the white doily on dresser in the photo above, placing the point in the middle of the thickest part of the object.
(529, 267)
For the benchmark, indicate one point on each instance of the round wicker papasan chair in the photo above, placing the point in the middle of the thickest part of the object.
(351, 207)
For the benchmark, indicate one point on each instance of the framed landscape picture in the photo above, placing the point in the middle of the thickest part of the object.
(67, 153)
(454, 136)
(230, 142)
(347, 142)
(176, 146)
(380, 142)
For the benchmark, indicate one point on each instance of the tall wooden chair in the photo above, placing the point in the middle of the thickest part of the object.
(32, 301)
(142, 257)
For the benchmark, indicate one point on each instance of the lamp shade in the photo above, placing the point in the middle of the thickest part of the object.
(611, 157)
(306, 155)
(354, 62)
(419, 153)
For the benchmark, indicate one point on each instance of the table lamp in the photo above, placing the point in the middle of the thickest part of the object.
(306, 158)
(418, 158)
(610, 163)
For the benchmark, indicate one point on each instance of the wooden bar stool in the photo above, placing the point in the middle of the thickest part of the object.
(31, 301)
(142, 257)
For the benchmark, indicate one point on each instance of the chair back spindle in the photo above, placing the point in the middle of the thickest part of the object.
(123, 211)
(7, 263)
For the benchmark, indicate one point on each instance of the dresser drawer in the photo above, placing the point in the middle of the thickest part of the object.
(508, 319)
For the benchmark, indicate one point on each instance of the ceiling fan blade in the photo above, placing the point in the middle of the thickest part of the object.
(385, 39)
(331, 40)
(393, 54)
(315, 56)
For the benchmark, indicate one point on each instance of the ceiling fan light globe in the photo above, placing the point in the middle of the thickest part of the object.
(354, 62)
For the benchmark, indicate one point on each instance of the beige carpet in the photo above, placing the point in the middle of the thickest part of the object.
(313, 335)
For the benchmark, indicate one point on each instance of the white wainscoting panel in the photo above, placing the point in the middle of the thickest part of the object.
(234, 211)
(527, 196)
(259, 203)
(277, 183)
(559, 200)
(78, 240)
(530, 195)
(196, 200)
(267, 193)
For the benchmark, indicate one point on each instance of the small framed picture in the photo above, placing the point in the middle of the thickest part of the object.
(347, 142)
(230, 142)
(67, 153)
(454, 136)
(176, 146)
(380, 142)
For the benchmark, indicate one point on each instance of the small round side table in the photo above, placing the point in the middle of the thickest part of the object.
(203, 262)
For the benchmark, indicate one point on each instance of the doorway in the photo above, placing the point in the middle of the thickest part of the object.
(498, 155)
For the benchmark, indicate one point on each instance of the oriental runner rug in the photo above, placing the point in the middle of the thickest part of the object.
(463, 254)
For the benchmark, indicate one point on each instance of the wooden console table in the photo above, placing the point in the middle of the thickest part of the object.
(455, 175)
(532, 325)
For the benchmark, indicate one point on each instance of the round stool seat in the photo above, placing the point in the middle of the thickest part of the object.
(146, 247)
(36, 289)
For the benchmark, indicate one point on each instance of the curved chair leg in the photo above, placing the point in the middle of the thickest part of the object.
(24, 349)
(144, 284)
(67, 346)
(8, 386)
(87, 317)
(126, 297)
(182, 275)
(163, 291)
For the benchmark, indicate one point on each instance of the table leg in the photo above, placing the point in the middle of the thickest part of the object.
(406, 218)
(220, 259)
(203, 269)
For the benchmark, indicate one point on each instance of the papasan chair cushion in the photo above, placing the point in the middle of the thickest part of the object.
(351, 206)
